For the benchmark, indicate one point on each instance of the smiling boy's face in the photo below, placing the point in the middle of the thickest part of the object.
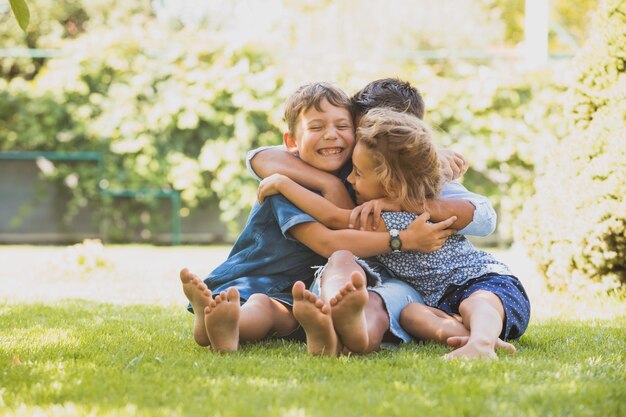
(324, 138)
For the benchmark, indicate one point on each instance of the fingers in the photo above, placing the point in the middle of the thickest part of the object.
(265, 190)
(354, 216)
(439, 239)
(456, 170)
(260, 192)
(464, 162)
(359, 216)
(424, 217)
(377, 211)
(445, 224)
(268, 187)
(365, 213)
(459, 162)
(461, 165)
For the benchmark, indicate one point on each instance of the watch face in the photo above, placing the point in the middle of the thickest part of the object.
(395, 244)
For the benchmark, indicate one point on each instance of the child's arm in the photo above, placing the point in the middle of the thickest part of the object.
(279, 161)
(439, 210)
(334, 217)
(311, 203)
(484, 216)
(476, 216)
(444, 208)
(419, 236)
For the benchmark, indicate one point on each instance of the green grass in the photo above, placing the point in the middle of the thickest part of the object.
(79, 358)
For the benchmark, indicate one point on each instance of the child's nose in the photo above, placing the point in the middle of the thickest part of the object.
(330, 133)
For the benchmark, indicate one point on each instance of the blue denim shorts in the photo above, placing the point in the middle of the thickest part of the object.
(510, 291)
(396, 294)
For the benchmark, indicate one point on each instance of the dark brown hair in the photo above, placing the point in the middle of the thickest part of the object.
(392, 93)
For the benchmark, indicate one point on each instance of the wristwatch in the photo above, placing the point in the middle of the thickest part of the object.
(394, 240)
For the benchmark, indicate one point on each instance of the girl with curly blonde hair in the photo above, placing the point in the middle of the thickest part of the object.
(471, 300)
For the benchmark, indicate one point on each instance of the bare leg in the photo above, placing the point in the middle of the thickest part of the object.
(314, 316)
(199, 296)
(343, 286)
(427, 323)
(222, 321)
(262, 316)
(484, 313)
(228, 324)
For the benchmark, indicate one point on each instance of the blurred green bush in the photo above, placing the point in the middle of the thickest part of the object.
(184, 121)
(575, 225)
(176, 108)
(170, 110)
(502, 123)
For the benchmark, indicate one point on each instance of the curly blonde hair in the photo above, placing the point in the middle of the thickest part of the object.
(407, 164)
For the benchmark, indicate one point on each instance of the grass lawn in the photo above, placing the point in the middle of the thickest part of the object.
(116, 340)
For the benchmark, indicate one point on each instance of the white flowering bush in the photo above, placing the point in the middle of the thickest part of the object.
(575, 225)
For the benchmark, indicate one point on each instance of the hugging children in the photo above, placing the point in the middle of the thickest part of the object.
(355, 303)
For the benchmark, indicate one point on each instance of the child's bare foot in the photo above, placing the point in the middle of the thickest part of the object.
(348, 313)
(460, 341)
(221, 318)
(474, 348)
(199, 296)
(314, 316)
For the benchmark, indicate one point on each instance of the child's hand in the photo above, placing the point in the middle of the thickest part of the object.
(452, 164)
(270, 186)
(426, 237)
(360, 214)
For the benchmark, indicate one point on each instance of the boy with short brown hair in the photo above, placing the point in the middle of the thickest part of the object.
(280, 244)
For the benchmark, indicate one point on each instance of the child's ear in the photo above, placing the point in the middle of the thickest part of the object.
(290, 143)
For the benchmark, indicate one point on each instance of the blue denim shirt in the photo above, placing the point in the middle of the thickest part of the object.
(265, 258)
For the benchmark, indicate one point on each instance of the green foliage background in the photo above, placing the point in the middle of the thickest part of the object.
(502, 123)
(165, 116)
(175, 106)
(575, 225)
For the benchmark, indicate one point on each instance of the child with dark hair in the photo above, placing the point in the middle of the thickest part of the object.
(394, 159)
(249, 297)
(362, 322)
(391, 93)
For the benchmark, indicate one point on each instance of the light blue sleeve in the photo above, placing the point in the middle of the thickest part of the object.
(251, 154)
(485, 218)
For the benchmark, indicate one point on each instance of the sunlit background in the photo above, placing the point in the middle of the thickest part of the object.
(129, 121)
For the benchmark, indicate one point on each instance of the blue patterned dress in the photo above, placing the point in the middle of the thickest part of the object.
(432, 274)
